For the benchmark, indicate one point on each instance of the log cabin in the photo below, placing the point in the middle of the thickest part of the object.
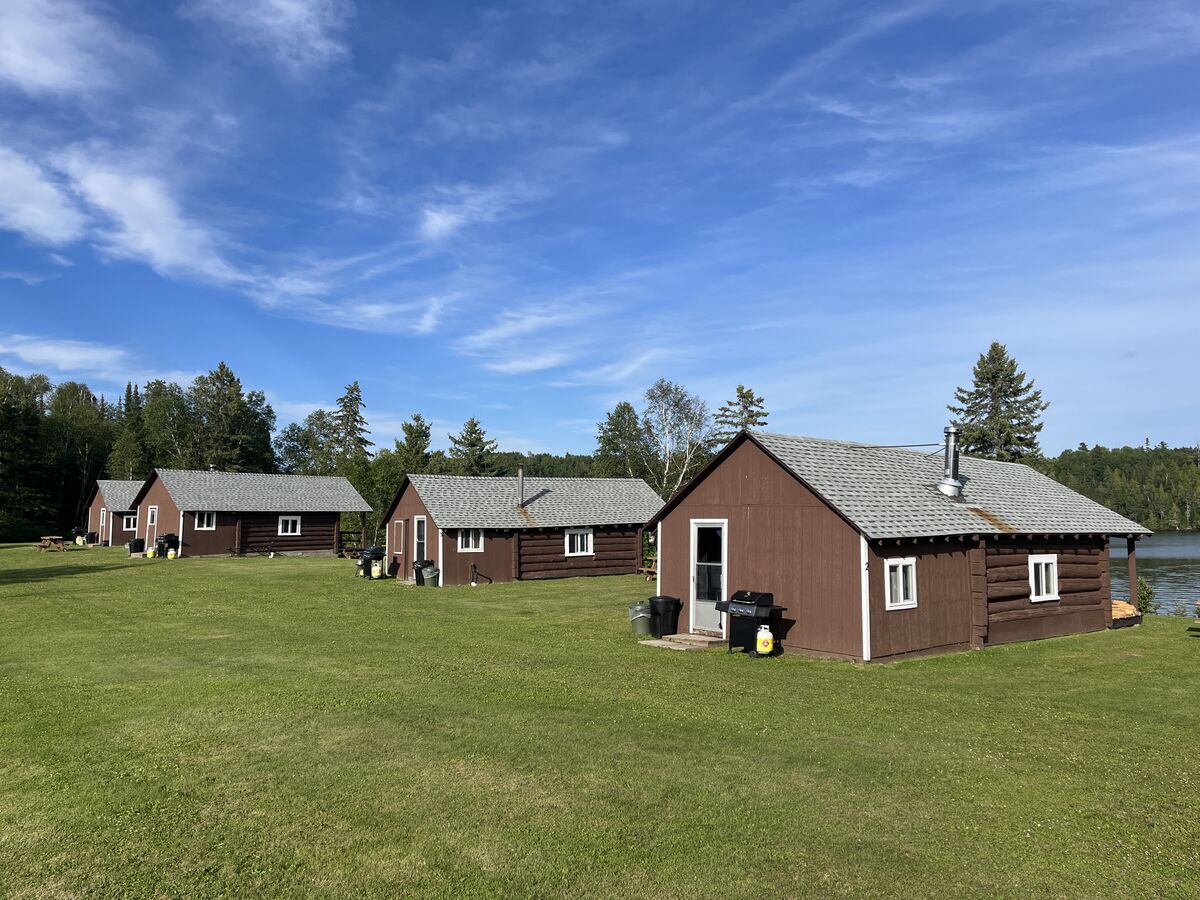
(880, 552)
(111, 515)
(498, 529)
(232, 513)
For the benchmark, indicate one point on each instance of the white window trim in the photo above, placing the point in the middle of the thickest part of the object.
(281, 533)
(103, 514)
(462, 532)
(125, 523)
(591, 550)
(212, 527)
(420, 557)
(888, 565)
(1042, 558)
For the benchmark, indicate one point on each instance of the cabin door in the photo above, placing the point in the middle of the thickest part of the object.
(419, 539)
(398, 548)
(709, 550)
(151, 526)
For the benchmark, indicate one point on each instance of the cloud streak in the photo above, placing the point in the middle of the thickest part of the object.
(299, 36)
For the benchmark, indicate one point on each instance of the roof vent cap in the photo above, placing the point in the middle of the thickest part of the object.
(951, 485)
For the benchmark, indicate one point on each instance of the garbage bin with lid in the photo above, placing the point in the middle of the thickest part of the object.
(639, 618)
(137, 545)
(418, 568)
(430, 575)
(664, 615)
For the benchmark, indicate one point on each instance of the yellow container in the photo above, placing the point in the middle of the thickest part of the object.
(149, 553)
(764, 643)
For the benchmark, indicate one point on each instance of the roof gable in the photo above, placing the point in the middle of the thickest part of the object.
(461, 501)
(256, 492)
(118, 495)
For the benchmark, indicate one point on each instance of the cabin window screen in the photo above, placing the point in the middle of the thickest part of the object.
(470, 540)
(578, 542)
(289, 525)
(206, 521)
(900, 584)
(1043, 577)
(129, 523)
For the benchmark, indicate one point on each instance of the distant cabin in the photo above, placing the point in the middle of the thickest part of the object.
(111, 515)
(486, 529)
(223, 513)
(872, 561)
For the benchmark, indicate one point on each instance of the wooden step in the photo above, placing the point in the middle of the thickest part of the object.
(668, 645)
(700, 641)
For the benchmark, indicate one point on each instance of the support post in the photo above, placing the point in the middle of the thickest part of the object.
(362, 524)
(1131, 545)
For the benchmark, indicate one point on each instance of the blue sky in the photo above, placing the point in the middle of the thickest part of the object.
(527, 212)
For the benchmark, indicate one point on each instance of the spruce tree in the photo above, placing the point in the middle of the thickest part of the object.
(351, 429)
(413, 452)
(471, 453)
(1000, 415)
(622, 449)
(745, 411)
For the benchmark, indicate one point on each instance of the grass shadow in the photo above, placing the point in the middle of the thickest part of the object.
(45, 573)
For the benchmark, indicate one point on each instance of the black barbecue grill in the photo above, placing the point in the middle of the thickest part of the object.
(747, 611)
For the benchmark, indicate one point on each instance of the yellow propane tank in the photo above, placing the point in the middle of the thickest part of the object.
(171, 554)
(377, 569)
(764, 643)
(149, 553)
(79, 541)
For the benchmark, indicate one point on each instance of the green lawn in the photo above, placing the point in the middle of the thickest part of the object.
(217, 727)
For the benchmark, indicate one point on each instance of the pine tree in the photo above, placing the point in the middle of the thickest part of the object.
(744, 412)
(471, 453)
(413, 452)
(351, 429)
(1000, 415)
(128, 459)
(622, 450)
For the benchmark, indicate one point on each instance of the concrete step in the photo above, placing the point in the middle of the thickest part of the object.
(668, 645)
(699, 641)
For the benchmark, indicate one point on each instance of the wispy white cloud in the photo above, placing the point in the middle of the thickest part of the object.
(520, 364)
(462, 205)
(61, 47)
(104, 362)
(33, 204)
(143, 219)
(300, 35)
(30, 278)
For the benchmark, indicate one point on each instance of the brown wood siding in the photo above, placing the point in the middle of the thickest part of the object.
(318, 532)
(1084, 603)
(494, 564)
(219, 542)
(942, 617)
(113, 522)
(542, 553)
(406, 507)
(168, 513)
(782, 538)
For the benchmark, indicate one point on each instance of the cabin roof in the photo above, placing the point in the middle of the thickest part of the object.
(118, 494)
(254, 492)
(888, 492)
(460, 501)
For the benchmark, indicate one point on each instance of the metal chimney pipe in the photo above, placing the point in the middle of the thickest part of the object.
(520, 487)
(951, 485)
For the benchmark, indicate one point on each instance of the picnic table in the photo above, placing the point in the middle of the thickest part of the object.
(51, 542)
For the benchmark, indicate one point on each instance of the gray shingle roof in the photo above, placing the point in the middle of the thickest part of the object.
(887, 492)
(248, 492)
(458, 501)
(119, 494)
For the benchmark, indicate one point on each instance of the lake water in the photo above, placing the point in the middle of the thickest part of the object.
(1170, 561)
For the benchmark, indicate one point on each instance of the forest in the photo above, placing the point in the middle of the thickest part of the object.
(56, 440)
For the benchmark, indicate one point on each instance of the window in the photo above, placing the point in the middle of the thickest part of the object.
(579, 542)
(289, 525)
(900, 584)
(1043, 577)
(152, 516)
(207, 521)
(102, 514)
(470, 540)
(130, 523)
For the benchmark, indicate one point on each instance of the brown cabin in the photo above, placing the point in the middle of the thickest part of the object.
(484, 529)
(111, 515)
(232, 513)
(878, 553)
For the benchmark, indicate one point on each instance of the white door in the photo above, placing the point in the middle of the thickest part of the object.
(151, 526)
(709, 549)
(103, 521)
(419, 539)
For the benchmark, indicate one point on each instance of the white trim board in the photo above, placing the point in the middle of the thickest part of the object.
(723, 524)
(865, 595)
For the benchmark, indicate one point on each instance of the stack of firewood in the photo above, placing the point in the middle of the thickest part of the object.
(1123, 610)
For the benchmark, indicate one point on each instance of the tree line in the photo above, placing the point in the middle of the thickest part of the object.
(56, 440)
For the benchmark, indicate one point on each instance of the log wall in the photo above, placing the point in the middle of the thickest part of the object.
(541, 553)
(1084, 602)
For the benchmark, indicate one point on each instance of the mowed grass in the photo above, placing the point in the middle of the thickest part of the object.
(259, 727)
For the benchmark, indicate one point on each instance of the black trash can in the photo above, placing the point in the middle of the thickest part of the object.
(664, 615)
(93, 537)
(419, 570)
(137, 545)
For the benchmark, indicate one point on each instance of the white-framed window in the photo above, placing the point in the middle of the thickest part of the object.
(129, 523)
(152, 516)
(289, 525)
(578, 542)
(103, 512)
(470, 540)
(900, 583)
(207, 521)
(1043, 577)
